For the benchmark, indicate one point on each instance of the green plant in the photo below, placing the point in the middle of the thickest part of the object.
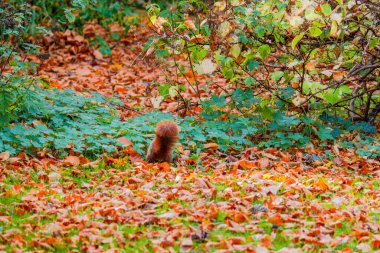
(17, 94)
(295, 58)
(64, 121)
(239, 133)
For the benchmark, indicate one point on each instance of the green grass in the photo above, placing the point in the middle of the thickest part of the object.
(140, 238)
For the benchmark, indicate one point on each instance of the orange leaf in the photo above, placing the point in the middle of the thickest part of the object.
(275, 219)
(285, 157)
(310, 66)
(189, 24)
(197, 38)
(238, 217)
(338, 75)
(71, 160)
(212, 212)
(17, 187)
(321, 185)
(266, 241)
(211, 145)
(190, 76)
(376, 241)
(295, 85)
(41, 193)
(164, 167)
(244, 164)
(121, 89)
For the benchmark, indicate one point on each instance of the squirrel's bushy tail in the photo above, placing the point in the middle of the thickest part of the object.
(161, 148)
(167, 130)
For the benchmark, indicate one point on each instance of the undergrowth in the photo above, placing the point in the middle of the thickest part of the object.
(89, 124)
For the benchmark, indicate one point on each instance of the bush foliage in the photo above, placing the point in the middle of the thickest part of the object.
(295, 58)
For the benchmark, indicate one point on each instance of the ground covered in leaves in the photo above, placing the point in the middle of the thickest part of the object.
(273, 202)
(262, 201)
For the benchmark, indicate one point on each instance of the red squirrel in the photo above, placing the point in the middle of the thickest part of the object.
(161, 148)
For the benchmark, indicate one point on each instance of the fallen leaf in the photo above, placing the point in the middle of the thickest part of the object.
(125, 141)
(98, 55)
(4, 156)
(71, 161)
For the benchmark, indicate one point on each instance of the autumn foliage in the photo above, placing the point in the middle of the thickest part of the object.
(276, 103)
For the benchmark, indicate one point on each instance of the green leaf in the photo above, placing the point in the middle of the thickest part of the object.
(260, 31)
(252, 65)
(105, 50)
(69, 16)
(277, 75)
(160, 53)
(374, 42)
(219, 101)
(227, 72)
(326, 9)
(311, 15)
(296, 40)
(199, 54)
(249, 81)
(264, 51)
(344, 89)
(315, 31)
(331, 96)
(164, 90)
(115, 36)
(325, 133)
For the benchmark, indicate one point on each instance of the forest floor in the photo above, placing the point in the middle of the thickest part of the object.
(267, 200)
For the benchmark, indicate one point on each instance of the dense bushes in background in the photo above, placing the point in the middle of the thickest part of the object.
(295, 58)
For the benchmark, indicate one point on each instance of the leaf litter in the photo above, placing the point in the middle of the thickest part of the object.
(264, 201)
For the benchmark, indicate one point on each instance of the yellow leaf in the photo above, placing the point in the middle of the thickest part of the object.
(235, 50)
(224, 29)
(334, 28)
(156, 102)
(206, 66)
(173, 91)
(220, 5)
(267, 176)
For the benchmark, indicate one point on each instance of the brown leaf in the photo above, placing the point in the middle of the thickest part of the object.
(211, 145)
(4, 156)
(98, 55)
(71, 161)
(264, 163)
(125, 141)
(187, 243)
(84, 71)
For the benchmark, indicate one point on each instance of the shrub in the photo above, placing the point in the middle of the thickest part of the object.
(294, 58)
